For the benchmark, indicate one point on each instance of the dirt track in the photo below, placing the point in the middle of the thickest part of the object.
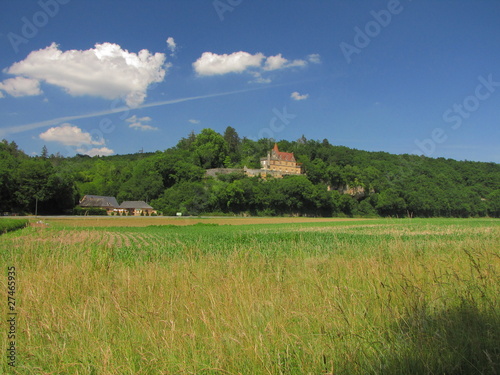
(96, 221)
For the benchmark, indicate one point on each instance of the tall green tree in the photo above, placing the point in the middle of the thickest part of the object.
(9, 163)
(493, 203)
(45, 152)
(40, 189)
(176, 166)
(187, 143)
(210, 149)
(389, 203)
(189, 198)
(233, 142)
(145, 184)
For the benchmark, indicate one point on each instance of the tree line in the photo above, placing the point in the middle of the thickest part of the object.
(338, 181)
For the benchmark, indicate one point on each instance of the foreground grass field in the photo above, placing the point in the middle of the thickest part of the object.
(341, 297)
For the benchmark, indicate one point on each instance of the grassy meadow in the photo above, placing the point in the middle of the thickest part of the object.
(382, 296)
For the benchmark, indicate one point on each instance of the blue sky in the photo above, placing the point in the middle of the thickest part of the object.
(115, 77)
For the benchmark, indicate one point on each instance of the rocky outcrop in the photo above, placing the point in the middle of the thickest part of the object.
(357, 192)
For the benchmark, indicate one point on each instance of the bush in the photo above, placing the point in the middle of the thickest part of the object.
(218, 214)
(267, 212)
(84, 211)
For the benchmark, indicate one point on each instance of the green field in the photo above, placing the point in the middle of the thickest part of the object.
(385, 296)
(7, 225)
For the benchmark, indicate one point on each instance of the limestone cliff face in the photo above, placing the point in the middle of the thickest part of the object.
(356, 192)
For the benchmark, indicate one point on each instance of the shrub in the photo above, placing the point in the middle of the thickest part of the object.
(83, 211)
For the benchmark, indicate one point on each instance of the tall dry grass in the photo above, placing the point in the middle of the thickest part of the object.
(381, 303)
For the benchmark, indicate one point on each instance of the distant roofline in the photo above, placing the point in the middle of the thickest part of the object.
(135, 204)
(90, 200)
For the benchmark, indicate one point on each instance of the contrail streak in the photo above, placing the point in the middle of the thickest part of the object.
(56, 121)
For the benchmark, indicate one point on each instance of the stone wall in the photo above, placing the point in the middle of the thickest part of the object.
(215, 171)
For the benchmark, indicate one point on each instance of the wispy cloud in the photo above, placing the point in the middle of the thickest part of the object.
(314, 58)
(59, 120)
(296, 96)
(139, 123)
(172, 46)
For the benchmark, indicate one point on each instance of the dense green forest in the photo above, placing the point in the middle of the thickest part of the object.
(174, 180)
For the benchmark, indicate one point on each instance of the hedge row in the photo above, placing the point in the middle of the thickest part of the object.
(7, 225)
(83, 211)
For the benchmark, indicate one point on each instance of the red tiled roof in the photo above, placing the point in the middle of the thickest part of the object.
(287, 156)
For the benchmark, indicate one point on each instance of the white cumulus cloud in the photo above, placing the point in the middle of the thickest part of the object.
(69, 135)
(279, 62)
(296, 96)
(21, 86)
(275, 62)
(106, 71)
(210, 64)
(138, 123)
(82, 142)
(103, 151)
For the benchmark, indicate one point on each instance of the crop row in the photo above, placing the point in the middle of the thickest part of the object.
(7, 225)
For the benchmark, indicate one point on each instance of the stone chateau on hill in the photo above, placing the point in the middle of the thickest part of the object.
(277, 164)
(280, 163)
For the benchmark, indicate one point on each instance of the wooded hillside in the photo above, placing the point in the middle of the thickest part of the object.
(338, 181)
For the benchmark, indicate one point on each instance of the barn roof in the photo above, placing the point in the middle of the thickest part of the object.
(98, 201)
(135, 204)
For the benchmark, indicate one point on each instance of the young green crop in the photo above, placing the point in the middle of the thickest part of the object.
(7, 225)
